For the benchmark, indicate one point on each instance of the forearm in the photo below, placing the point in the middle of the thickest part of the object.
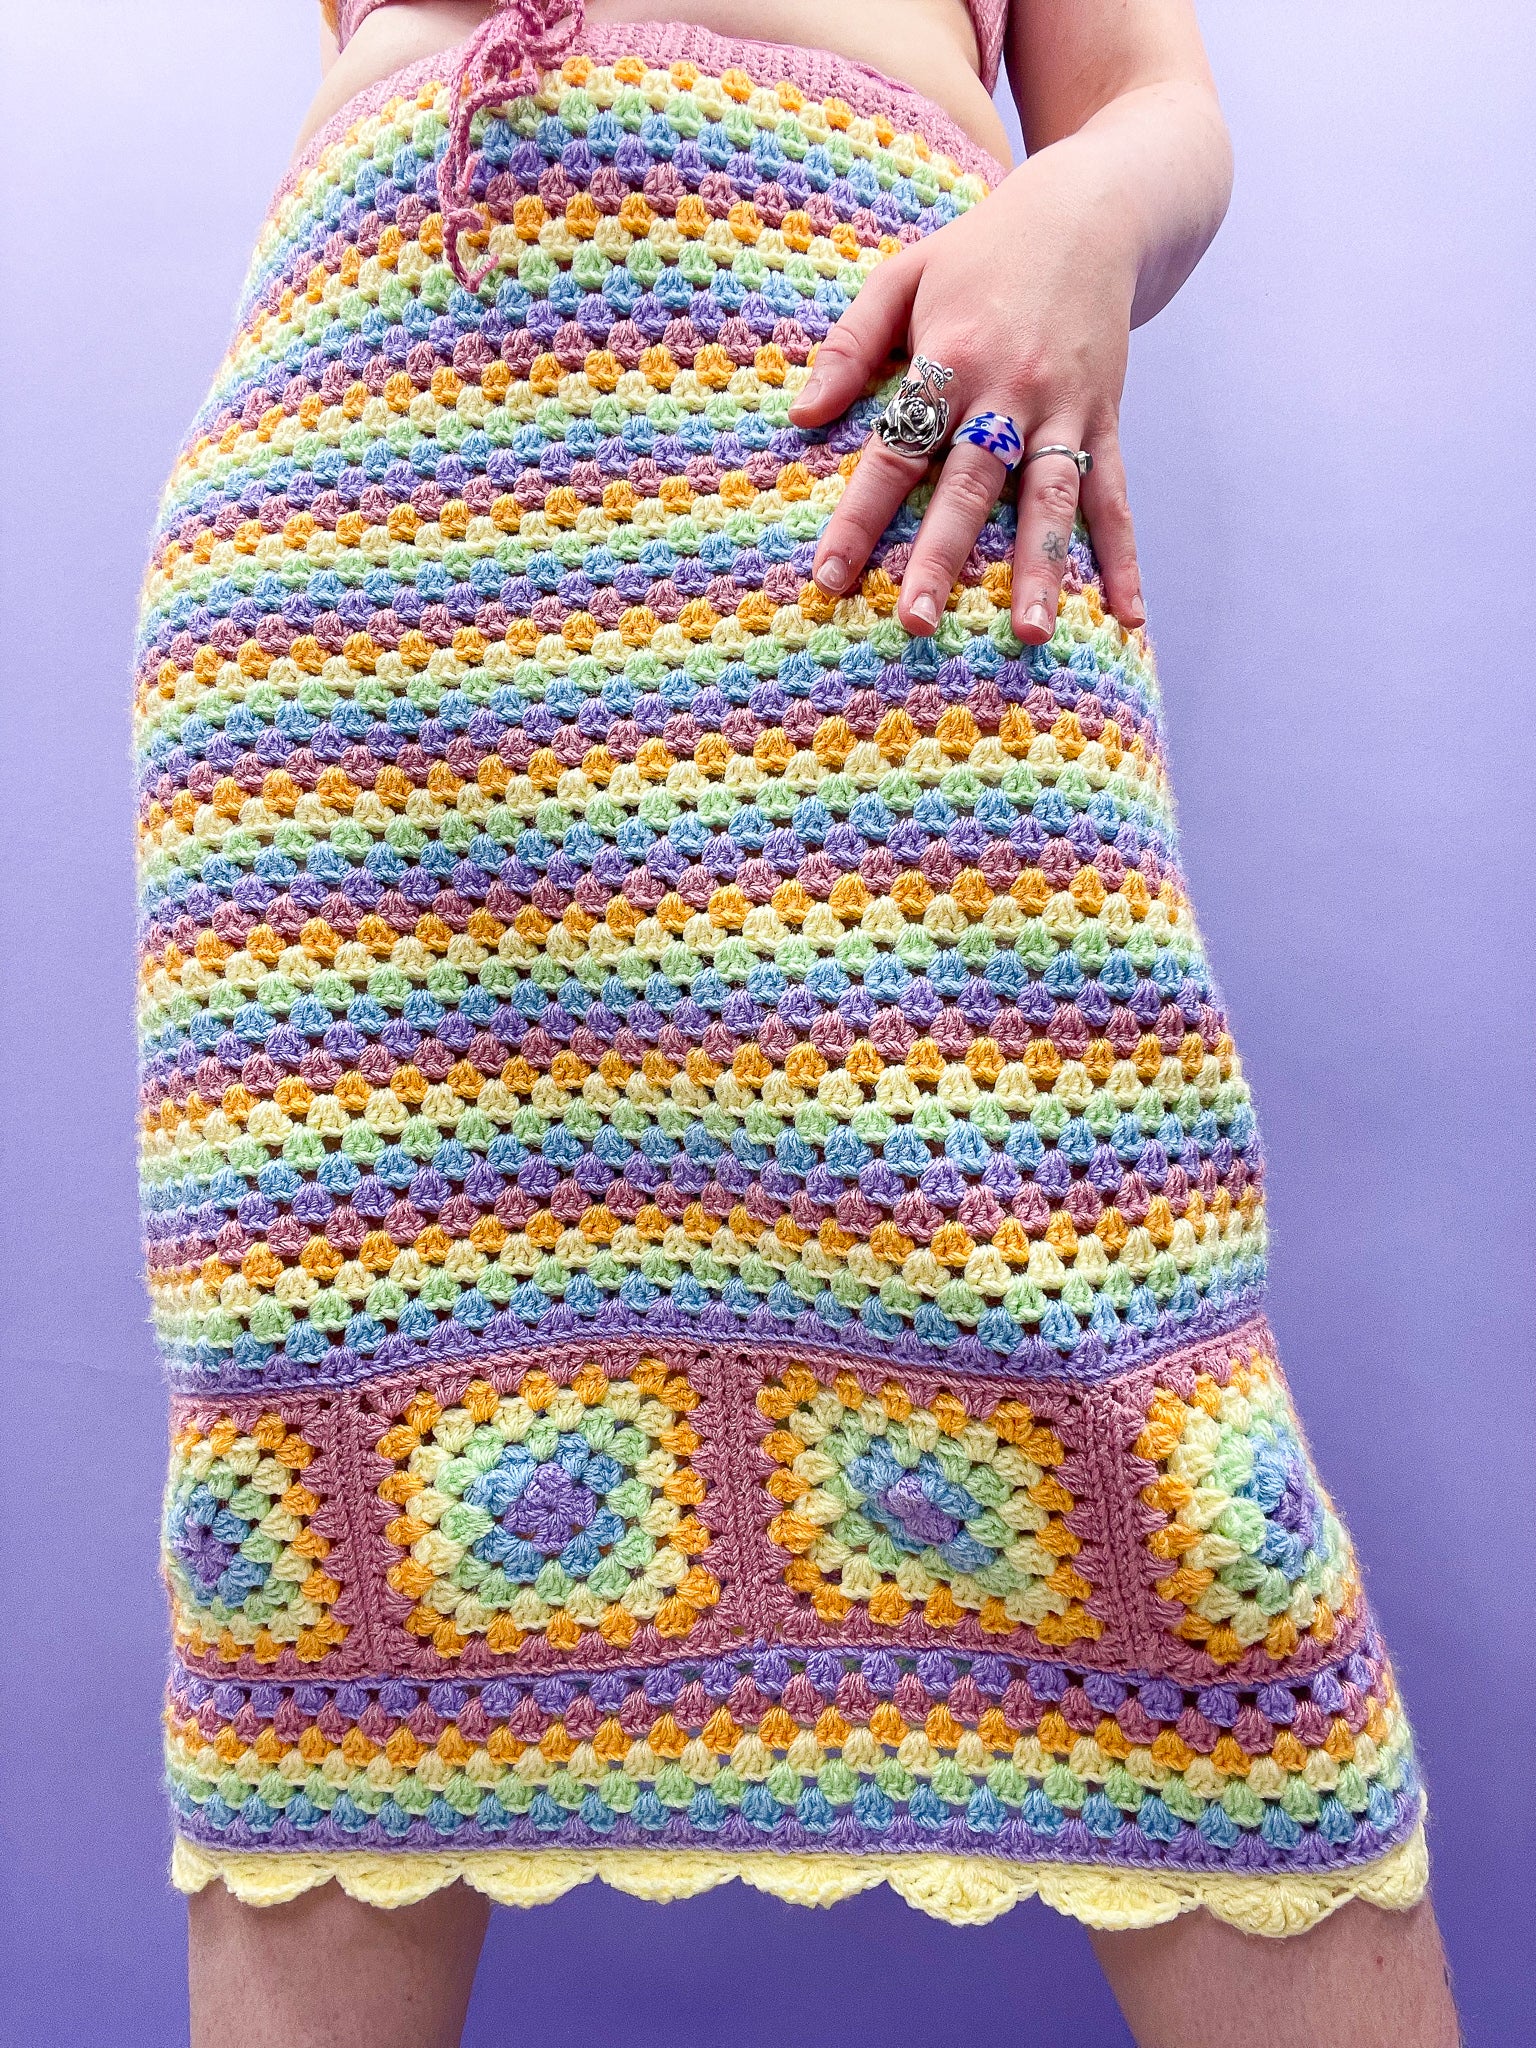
(1124, 131)
(1151, 172)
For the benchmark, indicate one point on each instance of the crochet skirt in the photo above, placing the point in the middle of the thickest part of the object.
(704, 1219)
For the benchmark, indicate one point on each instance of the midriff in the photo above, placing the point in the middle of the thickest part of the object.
(927, 44)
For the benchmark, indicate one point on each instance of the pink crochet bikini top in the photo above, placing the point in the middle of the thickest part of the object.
(989, 18)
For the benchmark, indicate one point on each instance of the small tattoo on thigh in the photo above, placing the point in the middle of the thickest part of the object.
(1054, 547)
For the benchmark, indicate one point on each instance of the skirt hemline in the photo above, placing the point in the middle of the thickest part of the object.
(963, 1891)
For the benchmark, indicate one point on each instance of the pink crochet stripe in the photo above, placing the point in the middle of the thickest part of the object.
(821, 74)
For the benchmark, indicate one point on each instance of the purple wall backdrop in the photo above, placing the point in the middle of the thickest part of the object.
(1330, 439)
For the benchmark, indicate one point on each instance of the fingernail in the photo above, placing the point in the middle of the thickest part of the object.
(806, 395)
(1136, 610)
(832, 574)
(1037, 618)
(923, 607)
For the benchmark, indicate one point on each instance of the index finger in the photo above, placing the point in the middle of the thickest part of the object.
(856, 345)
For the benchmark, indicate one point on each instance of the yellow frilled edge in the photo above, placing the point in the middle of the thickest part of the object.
(966, 1891)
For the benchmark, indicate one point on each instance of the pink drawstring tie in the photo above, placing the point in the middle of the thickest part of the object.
(502, 59)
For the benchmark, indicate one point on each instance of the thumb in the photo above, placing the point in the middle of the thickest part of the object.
(857, 345)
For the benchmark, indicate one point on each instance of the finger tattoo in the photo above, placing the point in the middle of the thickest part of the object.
(1054, 547)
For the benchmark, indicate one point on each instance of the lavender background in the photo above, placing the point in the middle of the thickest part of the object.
(1330, 441)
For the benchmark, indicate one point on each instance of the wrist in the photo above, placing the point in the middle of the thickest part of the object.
(1078, 187)
(1145, 183)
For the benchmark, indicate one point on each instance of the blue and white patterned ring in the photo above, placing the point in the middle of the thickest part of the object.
(995, 432)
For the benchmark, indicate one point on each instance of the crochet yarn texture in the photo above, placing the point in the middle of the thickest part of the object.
(704, 1218)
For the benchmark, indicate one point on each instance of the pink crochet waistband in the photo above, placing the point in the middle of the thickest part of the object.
(989, 18)
(822, 74)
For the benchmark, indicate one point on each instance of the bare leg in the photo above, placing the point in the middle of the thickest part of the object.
(1364, 1978)
(326, 1972)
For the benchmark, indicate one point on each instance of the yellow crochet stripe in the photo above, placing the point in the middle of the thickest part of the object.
(966, 1891)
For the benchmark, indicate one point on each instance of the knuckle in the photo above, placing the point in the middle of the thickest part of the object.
(1110, 510)
(895, 272)
(1111, 519)
(1027, 369)
(866, 514)
(853, 534)
(969, 494)
(891, 474)
(886, 286)
(1057, 496)
(839, 341)
(960, 342)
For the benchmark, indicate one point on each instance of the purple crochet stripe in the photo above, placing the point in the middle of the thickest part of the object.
(1093, 1362)
(993, 1674)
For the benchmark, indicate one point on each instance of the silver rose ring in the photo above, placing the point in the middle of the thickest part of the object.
(916, 418)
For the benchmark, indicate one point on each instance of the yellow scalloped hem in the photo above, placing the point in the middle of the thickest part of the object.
(966, 1891)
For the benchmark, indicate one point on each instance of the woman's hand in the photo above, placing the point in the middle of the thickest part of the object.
(1028, 299)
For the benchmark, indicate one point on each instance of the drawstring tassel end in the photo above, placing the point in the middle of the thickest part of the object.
(502, 60)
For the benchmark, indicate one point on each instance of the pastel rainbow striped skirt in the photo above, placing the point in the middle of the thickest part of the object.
(704, 1219)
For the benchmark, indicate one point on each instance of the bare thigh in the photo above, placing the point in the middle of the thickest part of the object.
(326, 1972)
(1364, 1978)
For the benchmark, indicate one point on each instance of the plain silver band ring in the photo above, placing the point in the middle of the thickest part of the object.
(1078, 457)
